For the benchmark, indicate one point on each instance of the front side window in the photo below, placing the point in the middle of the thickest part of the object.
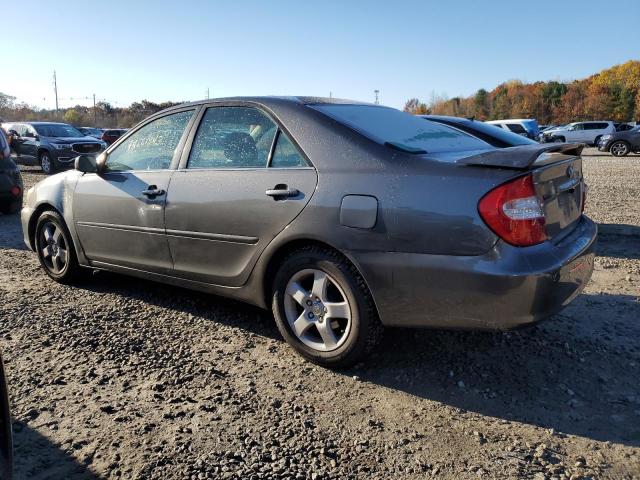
(400, 130)
(152, 147)
(286, 155)
(232, 137)
(578, 126)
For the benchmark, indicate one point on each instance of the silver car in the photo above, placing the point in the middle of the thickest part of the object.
(341, 217)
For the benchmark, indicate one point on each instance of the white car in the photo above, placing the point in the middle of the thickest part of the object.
(582, 132)
(527, 127)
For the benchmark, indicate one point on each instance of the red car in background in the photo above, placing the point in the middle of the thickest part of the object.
(112, 134)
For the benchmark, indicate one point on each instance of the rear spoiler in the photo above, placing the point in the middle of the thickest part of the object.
(525, 156)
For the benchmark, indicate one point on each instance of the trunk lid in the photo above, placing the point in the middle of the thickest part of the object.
(556, 170)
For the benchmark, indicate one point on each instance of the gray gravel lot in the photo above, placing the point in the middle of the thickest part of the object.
(123, 378)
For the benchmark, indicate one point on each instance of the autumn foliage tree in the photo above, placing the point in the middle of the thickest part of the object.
(612, 94)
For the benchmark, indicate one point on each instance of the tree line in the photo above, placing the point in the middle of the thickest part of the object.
(104, 115)
(612, 94)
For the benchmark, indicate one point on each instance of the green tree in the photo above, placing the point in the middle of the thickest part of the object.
(72, 116)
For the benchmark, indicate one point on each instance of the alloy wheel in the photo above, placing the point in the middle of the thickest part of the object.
(317, 310)
(53, 248)
(619, 149)
(45, 163)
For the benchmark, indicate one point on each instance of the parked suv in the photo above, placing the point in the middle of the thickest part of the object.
(621, 143)
(584, 132)
(527, 127)
(53, 146)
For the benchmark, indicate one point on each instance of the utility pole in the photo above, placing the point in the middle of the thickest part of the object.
(55, 90)
(330, 94)
(95, 113)
(376, 92)
(207, 93)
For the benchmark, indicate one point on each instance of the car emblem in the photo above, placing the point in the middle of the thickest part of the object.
(570, 171)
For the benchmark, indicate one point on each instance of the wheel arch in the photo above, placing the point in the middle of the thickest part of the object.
(33, 220)
(280, 253)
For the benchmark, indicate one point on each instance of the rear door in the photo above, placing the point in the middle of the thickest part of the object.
(119, 214)
(242, 182)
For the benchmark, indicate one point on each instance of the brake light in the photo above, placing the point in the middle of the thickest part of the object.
(513, 211)
(15, 191)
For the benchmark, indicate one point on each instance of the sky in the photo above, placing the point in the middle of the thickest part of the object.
(126, 51)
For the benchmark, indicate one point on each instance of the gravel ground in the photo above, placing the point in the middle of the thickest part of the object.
(122, 378)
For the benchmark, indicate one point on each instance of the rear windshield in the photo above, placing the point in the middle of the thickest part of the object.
(401, 130)
(496, 136)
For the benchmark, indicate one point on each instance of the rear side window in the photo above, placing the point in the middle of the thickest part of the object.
(401, 130)
(516, 128)
(286, 155)
(232, 137)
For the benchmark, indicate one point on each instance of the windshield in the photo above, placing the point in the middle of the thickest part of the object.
(57, 130)
(401, 130)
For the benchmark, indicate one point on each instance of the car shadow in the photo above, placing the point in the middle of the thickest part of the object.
(618, 241)
(11, 232)
(35, 457)
(570, 374)
(576, 373)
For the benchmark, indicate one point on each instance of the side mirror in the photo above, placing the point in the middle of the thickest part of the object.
(86, 164)
(571, 129)
(13, 132)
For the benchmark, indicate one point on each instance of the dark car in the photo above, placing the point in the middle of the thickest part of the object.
(621, 143)
(342, 217)
(110, 135)
(91, 132)
(51, 145)
(497, 137)
(10, 180)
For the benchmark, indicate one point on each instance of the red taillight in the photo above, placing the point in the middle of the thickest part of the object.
(15, 191)
(513, 212)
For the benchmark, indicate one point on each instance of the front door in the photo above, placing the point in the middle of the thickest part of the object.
(243, 182)
(119, 213)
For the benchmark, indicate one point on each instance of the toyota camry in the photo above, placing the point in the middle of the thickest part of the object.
(341, 217)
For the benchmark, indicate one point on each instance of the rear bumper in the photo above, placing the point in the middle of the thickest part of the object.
(506, 288)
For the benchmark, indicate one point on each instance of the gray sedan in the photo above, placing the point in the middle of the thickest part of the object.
(341, 217)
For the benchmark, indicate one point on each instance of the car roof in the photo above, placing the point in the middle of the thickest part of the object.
(268, 100)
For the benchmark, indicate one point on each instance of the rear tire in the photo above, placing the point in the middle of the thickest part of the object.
(55, 248)
(324, 309)
(619, 149)
(46, 163)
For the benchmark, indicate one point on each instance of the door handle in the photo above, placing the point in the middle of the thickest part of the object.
(282, 191)
(152, 191)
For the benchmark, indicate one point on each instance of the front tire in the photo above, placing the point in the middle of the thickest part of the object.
(55, 248)
(558, 139)
(597, 140)
(324, 309)
(46, 162)
(619, 149)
